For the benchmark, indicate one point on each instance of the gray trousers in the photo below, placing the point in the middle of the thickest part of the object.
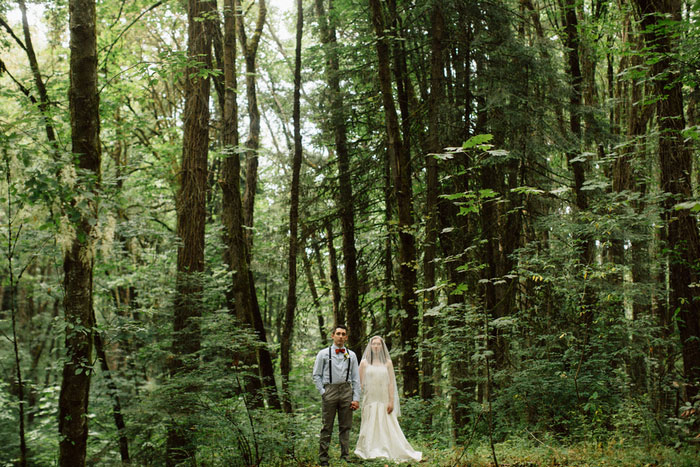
(336, 399)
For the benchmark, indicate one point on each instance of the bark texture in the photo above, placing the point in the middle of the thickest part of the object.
(191, 217)
(290, 309)
(401, 174)
(236, 255)
(78, 260)
(249, 47)
(675, 161)
(437, 26)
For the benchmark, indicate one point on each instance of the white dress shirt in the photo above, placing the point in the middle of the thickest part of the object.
(339, 366)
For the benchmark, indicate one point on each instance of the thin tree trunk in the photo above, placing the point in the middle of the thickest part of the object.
(578, 167)
(191, 219)
(401, 75)
(78, 260)
(314, 295)
(633, 111)
(38, 80)
(389, 288)
(250, 51)
(116, 402)
(236, 255)
(266, 367)
(249, 47)
(401, 170)
(347, 214)
(11, 246)
(288, 330)
(437, 27)
(458, 232)
(338, 316)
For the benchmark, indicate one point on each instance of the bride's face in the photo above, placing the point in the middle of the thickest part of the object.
(376, 346)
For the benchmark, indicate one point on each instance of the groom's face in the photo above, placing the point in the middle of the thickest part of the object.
(339, 337)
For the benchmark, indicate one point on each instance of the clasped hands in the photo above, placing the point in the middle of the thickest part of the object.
(354, 405)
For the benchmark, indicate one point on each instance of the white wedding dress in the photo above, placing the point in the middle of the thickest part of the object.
(380, 433)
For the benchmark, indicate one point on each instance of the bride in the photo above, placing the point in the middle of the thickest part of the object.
(380, 433)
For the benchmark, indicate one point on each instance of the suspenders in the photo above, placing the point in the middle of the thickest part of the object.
(330, 368)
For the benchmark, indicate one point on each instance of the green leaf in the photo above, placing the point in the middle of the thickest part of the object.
(694, 206)
(487, 193)
(527, 190)
(476, 140)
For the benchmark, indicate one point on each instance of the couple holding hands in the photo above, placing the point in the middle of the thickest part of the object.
(341, 381)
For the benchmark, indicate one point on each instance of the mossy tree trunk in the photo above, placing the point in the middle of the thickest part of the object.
(79, 259)
(190, 204)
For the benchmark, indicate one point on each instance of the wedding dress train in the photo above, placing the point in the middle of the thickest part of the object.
(380, 433)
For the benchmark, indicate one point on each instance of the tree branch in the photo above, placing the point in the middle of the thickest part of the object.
(4, 24)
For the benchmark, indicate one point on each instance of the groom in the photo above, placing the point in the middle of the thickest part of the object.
(337, 378)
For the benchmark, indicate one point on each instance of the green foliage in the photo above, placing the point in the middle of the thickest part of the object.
(531, 450)
(562, 387)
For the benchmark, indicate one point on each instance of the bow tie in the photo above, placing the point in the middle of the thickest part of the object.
(339, 351)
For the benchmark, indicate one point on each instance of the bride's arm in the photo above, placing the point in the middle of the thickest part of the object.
(392, 389)
(363, 367)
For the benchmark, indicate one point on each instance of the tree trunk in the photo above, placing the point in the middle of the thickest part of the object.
(116, 402)
(38, 80)
(458, 233)
(401, 171)
(191, 218)
(578, 166)
(250, 51)
(675, 160)
(236, 254)
(389, 286)
(314, 295)
(14, 311)
(437, 26)
(632, 111)
(254, 318)
(347, 214)
(78, 260)
(338, 316)
(403, 85)
(287, 332)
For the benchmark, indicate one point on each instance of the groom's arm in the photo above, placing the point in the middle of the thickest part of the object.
(318, 373)
(355, 375)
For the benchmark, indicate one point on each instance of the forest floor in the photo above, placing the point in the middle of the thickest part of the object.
(523, 453)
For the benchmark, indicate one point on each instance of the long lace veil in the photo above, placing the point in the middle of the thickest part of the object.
(382, 356)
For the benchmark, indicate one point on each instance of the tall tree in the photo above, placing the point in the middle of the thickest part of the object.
(79, 259)
(631, 115)
(345, 201)
(190, 204)
(286, 341)
(658, 20)
(437, 29)
(401, 175)
(249, 47)
(574, 157)
(236, 254)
